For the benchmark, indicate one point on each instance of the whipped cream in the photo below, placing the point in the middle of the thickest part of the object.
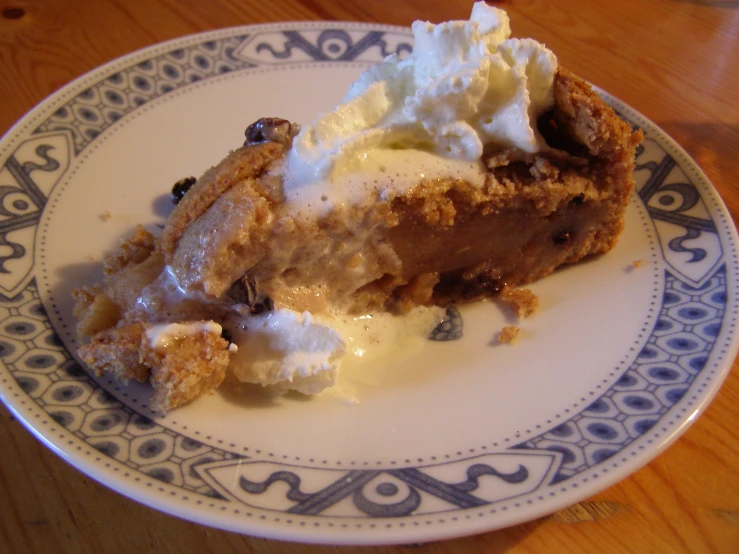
(289, 351)
(465, 86)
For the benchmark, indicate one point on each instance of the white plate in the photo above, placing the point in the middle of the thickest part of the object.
(460, 436)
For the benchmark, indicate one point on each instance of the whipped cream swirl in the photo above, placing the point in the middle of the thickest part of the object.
(465, 86)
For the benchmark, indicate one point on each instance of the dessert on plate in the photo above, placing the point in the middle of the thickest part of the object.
(471, 167)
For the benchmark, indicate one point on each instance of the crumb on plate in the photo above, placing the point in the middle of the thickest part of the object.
(509, 334)
(523, 301)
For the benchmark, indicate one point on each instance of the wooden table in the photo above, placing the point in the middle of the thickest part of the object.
(676, 61)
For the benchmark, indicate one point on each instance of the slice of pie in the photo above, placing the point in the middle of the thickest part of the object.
(252, 258)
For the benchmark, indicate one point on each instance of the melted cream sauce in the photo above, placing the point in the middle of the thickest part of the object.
(375, 343)
(379, 175)
(166, 335)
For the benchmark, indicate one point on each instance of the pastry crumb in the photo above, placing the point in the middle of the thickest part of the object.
(523, 301)
(105, 216)
(509, 334)
(192, 367)
(636, 264)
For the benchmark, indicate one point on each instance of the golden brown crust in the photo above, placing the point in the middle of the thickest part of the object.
(127, 270)
(226, 240)
(132, 250)
(124, 287)
(116, 351)
(191, 367)
(588, 119)
(242, 164)
(94, 311)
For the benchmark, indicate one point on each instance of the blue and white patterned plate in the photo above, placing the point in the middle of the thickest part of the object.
(455, 437)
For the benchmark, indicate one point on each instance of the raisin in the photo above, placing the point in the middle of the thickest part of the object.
(244, 291)
(578, 200)
(264, 305)
(469, 285)
(270, 129)
(181, 187)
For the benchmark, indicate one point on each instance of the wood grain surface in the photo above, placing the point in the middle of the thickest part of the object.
(676, 61)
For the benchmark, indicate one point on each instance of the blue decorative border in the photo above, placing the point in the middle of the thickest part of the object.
(104, 103)
(675, 353)
(691, 317)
